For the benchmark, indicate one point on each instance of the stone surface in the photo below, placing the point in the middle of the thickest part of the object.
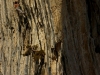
(20, 32)
(80, 21)
(51, 37)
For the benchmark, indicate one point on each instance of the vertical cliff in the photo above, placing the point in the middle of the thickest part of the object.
(80, 54)
(49, 37)
(30, 42)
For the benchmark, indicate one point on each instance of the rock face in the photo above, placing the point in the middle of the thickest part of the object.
(29, 40)
(80, 53)
(49, 37)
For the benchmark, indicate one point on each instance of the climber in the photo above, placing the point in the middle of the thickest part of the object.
(16, 6)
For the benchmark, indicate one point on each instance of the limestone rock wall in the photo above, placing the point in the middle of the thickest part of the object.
(50, 37)
(81, 20)
(28, 45)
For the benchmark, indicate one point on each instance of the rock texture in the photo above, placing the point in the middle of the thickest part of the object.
(81, 22)
(50, 37)
(29, 40)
